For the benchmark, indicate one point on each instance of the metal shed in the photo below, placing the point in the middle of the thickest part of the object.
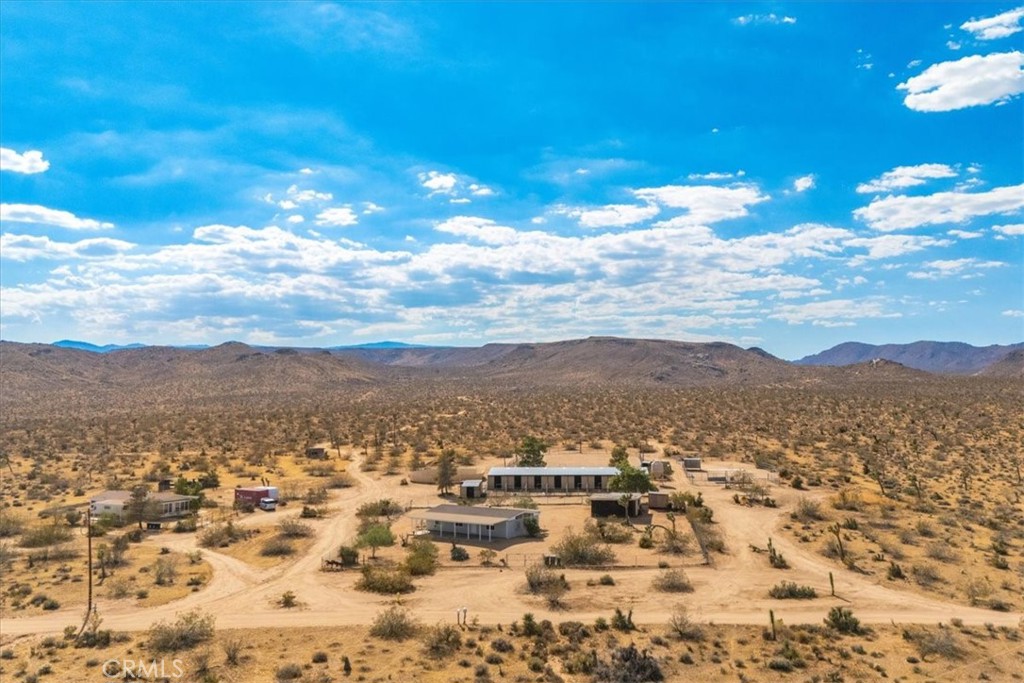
(608, 505)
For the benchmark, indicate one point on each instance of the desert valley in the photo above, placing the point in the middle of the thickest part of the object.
(598, 509)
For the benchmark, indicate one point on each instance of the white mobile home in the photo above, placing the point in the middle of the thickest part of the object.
(473, 523)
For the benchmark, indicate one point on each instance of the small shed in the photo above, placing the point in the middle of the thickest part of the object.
(659, 500)
(316, 453)
(472, 488)
(691, 464)
(608, 505)
(166, 484)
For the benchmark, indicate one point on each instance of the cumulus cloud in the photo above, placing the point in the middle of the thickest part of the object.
(1013, 313)
(833, 312)
(889, 246)
(968, 82)
(29, 247)
(1000, 26)
(438, 183)
(33, 213)
(337, 217)
(481, 229)
(804, 183)
(28, 162)
(1014, 229)
(896, 212)
(613, 215)
(715, 175)
(903, 177)
(704, 204)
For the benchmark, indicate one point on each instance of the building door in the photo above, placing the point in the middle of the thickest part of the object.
(517, 483)
(577, 482)
(558, 482)
(537, 484)
(597, 482)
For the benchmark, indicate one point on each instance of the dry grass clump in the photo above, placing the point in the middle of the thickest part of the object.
(394, 623)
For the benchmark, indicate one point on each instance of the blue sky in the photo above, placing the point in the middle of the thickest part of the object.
(785, 175)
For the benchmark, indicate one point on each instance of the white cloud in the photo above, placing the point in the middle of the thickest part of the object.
(964, 267)
(888, 246)
(370, 208)
(833, 312)
(704, 203)
(28, 162)
(438, 183)
(968, 82)
(306, 171)
(804, 183)
(1000, 26)
(337, 217)
(296, 218)
(965, 234)
(900, 211)
(716, 176)
(482, 229)
(1013, 313)
(33, 213)
(906, 176)
(1014, 229)
(614, 215)
(953, 45)
(308, 195)
(28, 247)
(459, 200)
(480, 190)
(770, 18)
(287, 204)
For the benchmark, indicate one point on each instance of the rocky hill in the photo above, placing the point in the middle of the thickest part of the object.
(939, 357)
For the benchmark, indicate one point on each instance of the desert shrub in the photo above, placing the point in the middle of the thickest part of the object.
(385, 507)
(842, 620)
(539, 578)
(319, 657)
(459, 554)
(45, 535)
(422, 557)
(291, 528)
(808, 510)
(608, 532)
(672, 581)
(581, 663)
(348, 555)
(942, 642)
(621, 621)
(316, 495)
(165, 570)
(187, 631)
(789, 590)
(394, 623)
(232, 647)
(848, 499)
(221, 535)
(340, 481)
(502, 645)
(487, 556)
(277, 547)
(683, 626)
(187, 525)
(606, 580)
(532, 526)
(628, 665)
(940, 551)
(288, 600)
(10, 525)
(309, 512)
(119, 587)
(288, 672)
(385, 580)
(583, 550)
(441, 641)
(50, 604)
(925, 574)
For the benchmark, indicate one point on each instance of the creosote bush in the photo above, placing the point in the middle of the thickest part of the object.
(394, 623)
(672, 581)
(576, 549)
(187, 631)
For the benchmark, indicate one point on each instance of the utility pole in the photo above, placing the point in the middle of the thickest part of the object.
(88, 539)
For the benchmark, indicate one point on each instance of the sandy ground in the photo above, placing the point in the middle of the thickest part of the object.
(733, 591)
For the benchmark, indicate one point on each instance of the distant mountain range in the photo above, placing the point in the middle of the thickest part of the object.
(107, 348)
(953, 358)
(73, 377)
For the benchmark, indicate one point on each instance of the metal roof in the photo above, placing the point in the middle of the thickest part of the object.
(614, 496)
(468, 514)
(552, 471)
(472, 482)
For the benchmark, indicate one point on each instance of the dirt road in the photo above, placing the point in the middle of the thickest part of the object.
(734, 591)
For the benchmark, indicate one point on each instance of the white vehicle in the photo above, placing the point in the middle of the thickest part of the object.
(268, 504)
